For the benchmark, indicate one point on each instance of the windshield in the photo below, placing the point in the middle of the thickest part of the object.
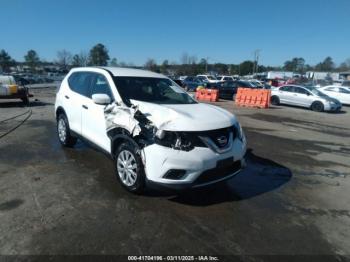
(152, 90)
(211, 78)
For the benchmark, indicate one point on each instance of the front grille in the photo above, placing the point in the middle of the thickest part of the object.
(222, 170)
(212, 134)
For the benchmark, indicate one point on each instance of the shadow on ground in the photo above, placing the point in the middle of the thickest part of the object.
(19, 103)
(260, 176)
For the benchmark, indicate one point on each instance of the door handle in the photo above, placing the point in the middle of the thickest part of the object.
(85, 107)
(67, 97)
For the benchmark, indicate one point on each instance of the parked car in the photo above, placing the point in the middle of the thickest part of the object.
(154, 131)
(191, 83)
(257, 83)
(10, 89)
(245, 84)
(308, 97)
(346, 83)
(338, 92)
(207, 78)
(225, 78)
(228, 89)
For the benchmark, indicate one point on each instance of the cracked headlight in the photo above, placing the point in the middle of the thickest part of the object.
(175, 140)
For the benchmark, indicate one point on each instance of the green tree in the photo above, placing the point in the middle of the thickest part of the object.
(151, 65)
(297, 64)
(246, 67)
(114, 62)
(32, 60)
(164, 67)
(221, 69)
(5, 61)
(80, 59)
(98, 55)
(326, 66)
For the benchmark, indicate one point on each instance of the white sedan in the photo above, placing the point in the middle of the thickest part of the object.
(339, 92)
(302, 96)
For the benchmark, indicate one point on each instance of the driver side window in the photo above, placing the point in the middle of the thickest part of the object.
(100, 86)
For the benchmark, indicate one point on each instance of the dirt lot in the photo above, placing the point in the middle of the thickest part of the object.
(292, 198)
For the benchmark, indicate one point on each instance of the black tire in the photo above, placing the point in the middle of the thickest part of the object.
(317, 106)
(275, 100)
(138, 184)
(63, 132)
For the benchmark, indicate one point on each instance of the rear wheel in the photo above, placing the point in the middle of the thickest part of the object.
(129, 168)
(275, 100)
(317, 106)
(64, 133)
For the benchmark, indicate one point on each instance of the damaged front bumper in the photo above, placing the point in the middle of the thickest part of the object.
(191, 169)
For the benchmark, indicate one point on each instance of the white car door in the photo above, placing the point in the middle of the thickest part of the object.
(303, 97)
(79, 84)
(345, 93)
(93, 117)
(286, 95)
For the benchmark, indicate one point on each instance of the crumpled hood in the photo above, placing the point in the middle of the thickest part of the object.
(186, 117)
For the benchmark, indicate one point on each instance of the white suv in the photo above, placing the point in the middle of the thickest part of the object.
(154, 131)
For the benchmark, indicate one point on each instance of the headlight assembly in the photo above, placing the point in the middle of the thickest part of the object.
(175, 140)
(240, 132)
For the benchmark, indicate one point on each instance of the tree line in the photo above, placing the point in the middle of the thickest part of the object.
(188, 65)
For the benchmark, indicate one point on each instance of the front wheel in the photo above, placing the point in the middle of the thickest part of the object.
(63, 131)
(129, 168)
(317, 106)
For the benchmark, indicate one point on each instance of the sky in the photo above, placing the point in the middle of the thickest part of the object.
(226, 31)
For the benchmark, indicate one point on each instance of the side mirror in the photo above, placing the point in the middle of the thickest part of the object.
(101, 99)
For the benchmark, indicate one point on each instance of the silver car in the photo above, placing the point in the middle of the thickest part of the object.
(308, 97)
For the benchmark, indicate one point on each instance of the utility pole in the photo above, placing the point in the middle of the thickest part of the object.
(256, 61)
(206, 64)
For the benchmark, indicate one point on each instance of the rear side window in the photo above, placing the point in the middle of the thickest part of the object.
(100, 86)
(80, 82)
(287, 88)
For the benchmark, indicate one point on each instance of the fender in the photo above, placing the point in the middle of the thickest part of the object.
(116, 139)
